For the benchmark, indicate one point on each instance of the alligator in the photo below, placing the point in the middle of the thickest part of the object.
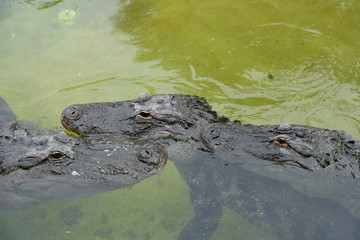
(221, 173)
(190, 118)
(318, 162)
(39, 165)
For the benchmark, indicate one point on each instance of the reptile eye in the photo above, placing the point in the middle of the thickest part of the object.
(145, 115)
(56, 156)
(282, 142)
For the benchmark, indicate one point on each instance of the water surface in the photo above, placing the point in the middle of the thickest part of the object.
(262, 62)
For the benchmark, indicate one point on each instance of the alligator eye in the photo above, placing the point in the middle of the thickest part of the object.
(145, 115)
(282, 142)
(73, 112)
(57, 156)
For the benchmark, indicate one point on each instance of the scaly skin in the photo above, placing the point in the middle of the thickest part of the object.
(216, 176)
(39, 165)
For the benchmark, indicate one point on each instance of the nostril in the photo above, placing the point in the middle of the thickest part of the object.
(144, 156)
(214, 133)
(73, 112)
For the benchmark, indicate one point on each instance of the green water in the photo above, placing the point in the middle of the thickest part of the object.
(262, 62)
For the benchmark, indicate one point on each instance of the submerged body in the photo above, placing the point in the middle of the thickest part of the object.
(39, 165)
(185, 126)
(318, 162)
(273, 206)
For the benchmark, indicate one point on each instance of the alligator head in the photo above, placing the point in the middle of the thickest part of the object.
(189, 117)
(305, 147)
(62, 154)
(25, 145)
(58, 166)
(158, 116)
(39, 165)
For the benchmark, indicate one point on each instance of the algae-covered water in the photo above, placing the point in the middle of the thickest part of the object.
(262, 62)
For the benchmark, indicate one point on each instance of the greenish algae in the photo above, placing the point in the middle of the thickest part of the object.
(68, 15)
(144, 211)
(229, 48)
(222, 50)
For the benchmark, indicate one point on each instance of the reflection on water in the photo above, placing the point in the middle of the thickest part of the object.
(263, 62)
(223, 41)
(188, 47)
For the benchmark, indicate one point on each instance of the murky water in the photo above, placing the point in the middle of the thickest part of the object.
(262, 62)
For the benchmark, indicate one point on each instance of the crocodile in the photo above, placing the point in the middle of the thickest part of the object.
(39, 165)
(184, 125)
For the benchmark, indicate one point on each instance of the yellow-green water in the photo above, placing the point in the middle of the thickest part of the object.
(262, 62)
